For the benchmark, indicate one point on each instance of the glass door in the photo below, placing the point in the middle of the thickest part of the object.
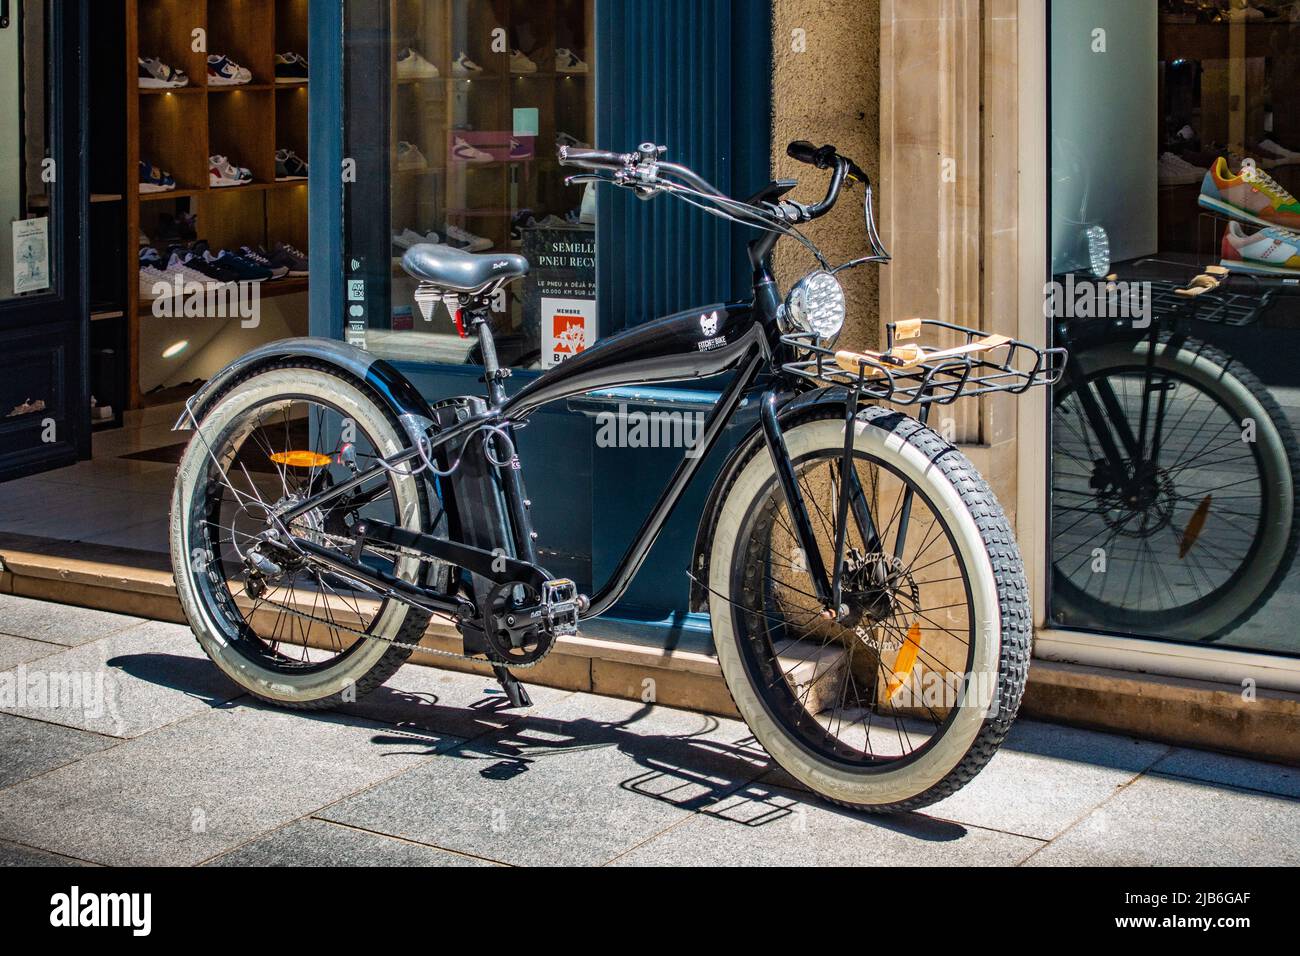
(44, 401)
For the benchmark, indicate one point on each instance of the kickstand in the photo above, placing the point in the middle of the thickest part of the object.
(515, 691)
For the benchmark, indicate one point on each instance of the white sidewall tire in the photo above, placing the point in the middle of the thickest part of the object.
(276, 384)
(1214, 378)
(876, 787)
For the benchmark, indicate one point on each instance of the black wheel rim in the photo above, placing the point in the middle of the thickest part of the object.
(852, 721)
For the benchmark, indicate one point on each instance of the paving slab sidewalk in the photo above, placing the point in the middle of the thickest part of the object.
(433, 770)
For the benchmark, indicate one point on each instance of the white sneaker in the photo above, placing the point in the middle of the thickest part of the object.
(463, 152)
(412, 66)
(222, 173)
(519, 63)
(1288, 157)
(469, 241)
(464, 66)
(1176, 171)
(566, 61)
(409, 237)
(409, 158)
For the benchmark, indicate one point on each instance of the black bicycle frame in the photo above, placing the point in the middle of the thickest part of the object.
(741, 338)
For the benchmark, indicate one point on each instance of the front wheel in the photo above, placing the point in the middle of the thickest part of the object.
(902, 697)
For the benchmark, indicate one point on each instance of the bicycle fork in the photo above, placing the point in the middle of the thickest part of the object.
(849, 497)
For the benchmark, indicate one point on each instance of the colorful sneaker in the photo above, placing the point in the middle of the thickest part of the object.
(287, 255)
(463, 152)
(520, 63)
(258, 258)
(1252, 196)
(1271, 251)
(155, 180)
(290, 68)
(412, 66)
(222, 173)
(566, 61)
(521, 149)
(468, 241)
(154, 74)
(289, 166)
(223, 71)
(464, 66)
(410, 159)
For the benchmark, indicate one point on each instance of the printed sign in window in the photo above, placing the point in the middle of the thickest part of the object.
(569, 326)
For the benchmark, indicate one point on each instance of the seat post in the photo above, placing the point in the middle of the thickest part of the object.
(492, 371)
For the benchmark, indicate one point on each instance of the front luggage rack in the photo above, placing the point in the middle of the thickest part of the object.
(1008, 365)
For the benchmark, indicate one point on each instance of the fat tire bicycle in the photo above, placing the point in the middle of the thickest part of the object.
(869, 606)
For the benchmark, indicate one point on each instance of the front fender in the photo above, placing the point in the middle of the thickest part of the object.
(792, 409)
(388, 384)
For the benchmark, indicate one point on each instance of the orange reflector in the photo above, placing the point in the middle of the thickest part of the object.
(906, 660)
(1194, 527)
(301, 459)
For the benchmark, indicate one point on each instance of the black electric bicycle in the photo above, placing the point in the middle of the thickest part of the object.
(869, 606)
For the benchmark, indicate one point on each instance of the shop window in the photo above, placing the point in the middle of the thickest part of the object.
(1175, 162)
(462, 133)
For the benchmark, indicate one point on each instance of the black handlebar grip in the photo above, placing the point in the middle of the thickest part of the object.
(590, 158)
(820, 156)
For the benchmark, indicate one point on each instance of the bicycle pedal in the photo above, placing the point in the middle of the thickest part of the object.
(561, 604)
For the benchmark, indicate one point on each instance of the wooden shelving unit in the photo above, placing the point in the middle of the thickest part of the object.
(179, 129)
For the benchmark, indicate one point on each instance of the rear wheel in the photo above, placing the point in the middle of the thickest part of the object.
(900, 700)
(283, 627)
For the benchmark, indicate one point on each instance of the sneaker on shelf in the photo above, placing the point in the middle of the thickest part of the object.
(1286, 157)
(412, 66)
(257, 256)
(463, 152)
(223, 71)
(1176, 171)
(198, 261)
(290, 68)
(289, 166)
(1252, 195)
(564, 139)
(521, 149)
(410, 159)
(155, 180)
(222, 173)
(286, 255)
(1270, 251)
(520, 63)
(566, 61)
(471, 242)
(154, 74)
(464, 66)
(409, 237)
(246, 270)
(178, 265)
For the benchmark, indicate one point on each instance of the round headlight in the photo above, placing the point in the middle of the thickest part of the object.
(816, 304)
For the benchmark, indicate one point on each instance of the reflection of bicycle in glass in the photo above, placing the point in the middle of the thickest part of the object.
(1173, 485)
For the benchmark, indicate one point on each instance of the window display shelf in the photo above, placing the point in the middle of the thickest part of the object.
(245, 123)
